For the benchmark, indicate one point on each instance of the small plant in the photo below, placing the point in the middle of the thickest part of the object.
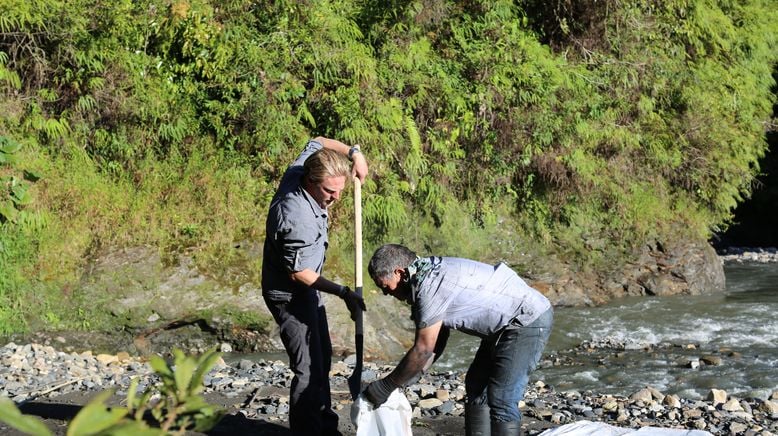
(180, 407)
(175, 405)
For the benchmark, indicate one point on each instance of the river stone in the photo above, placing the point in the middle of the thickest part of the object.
(711, 360)
(446, 407)
(642, 395)
(106, 358)
(717, 396)
(732, 405)
(610, 406)
(742, 415)
(672, 401)
(426, 390)
(770, 407)
(339, 368)
(442, 395)
(430, 403)
(459, 393)
(658, 396)
(700, 424)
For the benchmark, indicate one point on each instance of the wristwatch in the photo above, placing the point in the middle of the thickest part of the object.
(352, 151)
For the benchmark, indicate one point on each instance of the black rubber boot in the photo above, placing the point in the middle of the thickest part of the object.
(477, 422)
(510, 428)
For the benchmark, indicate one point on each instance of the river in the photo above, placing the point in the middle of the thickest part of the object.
(739, 326)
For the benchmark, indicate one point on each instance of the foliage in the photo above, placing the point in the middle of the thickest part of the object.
(170, 122)
(178, 408)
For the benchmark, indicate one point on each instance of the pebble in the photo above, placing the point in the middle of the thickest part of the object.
(434, 394)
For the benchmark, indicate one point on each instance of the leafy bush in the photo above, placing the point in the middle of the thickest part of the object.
(169, 123)
(175, 405)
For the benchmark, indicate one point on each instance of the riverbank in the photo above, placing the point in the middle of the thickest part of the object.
(53, 380)
(53, 385)
(748, 254)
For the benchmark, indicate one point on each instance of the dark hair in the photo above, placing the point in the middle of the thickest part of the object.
(388, 258)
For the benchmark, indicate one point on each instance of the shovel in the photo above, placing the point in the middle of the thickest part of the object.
(355, 380)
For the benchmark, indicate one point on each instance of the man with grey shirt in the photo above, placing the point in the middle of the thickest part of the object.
(491, 302)
(295, 244)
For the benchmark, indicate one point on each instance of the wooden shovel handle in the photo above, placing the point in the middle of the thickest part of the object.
(355, 381)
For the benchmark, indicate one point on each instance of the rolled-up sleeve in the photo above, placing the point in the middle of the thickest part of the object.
(300, 243)
(300, 248)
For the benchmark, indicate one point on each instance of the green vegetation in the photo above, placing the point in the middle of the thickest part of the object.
(176, 404)
(577, 130)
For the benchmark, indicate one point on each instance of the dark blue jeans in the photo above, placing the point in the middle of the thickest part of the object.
(498, 376)
(306, 337)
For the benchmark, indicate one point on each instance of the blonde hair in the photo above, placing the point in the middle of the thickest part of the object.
(325, 163)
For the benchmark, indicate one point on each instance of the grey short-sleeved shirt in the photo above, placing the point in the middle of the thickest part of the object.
(295, 233)
(474, 297)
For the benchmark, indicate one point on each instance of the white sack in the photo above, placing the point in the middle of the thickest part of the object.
(588, 428)
(393, 418)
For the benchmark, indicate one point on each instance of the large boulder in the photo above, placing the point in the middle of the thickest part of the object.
(657, 269)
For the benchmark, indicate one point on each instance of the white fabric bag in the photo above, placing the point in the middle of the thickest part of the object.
(393, 418)
(588, 428)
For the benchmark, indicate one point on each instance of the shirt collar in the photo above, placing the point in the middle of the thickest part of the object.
(317, 210)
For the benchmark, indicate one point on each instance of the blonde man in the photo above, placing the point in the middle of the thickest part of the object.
(295, 245)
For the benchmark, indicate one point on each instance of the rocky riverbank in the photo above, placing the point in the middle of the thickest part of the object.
(52, 384)
(748, 254)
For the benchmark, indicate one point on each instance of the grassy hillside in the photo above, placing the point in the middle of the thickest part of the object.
(495, 129)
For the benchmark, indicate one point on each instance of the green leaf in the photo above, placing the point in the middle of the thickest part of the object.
(20, 195)
(8, 210)
(185, 367)
(32, 176)
(207, 419)
(159, 366)
(11, 415)
(9, 146)
(142, 404)
(132, 392)
(204, 364)
(194, 403)
(96, 417)
(158, 413)
(8, 158)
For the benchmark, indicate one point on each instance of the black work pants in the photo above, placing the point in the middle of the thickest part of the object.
(306, 337)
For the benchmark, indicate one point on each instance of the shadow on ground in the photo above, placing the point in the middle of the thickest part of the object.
(56, 416)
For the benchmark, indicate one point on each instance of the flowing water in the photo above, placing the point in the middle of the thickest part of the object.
(663, 336)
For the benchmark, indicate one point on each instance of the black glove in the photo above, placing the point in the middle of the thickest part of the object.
(378, 391)
(354, 301)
